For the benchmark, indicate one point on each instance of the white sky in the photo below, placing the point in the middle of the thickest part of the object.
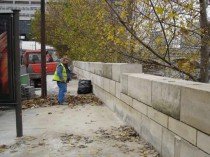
(32, 45)
(208, 12)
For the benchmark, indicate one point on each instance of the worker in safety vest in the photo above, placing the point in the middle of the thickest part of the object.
(62, 76)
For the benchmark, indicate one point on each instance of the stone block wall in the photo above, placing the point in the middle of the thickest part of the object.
(173, 115)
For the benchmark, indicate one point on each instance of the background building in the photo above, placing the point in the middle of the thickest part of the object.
(27, 7)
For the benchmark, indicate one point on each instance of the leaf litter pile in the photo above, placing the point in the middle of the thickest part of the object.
(123, 138)
(117, 137)
(72, 100)
(21, 142)
(123, 133)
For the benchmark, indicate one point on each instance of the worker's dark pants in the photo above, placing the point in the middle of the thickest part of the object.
(62, 90)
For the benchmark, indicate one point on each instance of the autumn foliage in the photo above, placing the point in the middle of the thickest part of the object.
(160, 34)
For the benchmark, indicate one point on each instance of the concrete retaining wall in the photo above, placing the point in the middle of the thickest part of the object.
(173, 115)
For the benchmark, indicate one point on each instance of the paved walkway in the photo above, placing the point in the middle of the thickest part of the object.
(83, 131)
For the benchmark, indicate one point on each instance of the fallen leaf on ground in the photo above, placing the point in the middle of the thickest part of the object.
(2, 148)
(72, 100)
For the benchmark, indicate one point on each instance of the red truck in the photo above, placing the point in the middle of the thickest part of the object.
(32, 62)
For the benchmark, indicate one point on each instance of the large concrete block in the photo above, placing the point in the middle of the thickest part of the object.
(106, 84)
(87, 66)
(87, 75)
(119, 68)
(76, 64)
(93, 78)
(183, 130)
(140, 88)
(130, 68)
(110, 101)
(99, 92)
(98, 68)
(116, 71)
(124, 83)
(99, 81)
(81, 72)
(156, 135)
(186, 149)
(79, 64)
(112, 87)
(140, 107)
(92, 67)
(168, 143)
(203, 142)
(128, 100)
(82, 65)
(157, 116)
(118, 90)
(120, 109)
(166, 98)
(195, 107)
(177, 146)
(152, 132)
(133, 119)
(107, 70)
(145, 127)
(129, 115)
(75, 70)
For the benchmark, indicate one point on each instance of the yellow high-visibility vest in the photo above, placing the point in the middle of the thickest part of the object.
(64, 74)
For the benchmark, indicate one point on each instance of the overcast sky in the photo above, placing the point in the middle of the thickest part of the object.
(208, 12)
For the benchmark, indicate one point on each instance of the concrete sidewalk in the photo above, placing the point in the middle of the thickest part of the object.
(84, 131)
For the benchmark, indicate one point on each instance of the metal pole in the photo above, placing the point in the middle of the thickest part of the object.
(16, 42)
(43, 51)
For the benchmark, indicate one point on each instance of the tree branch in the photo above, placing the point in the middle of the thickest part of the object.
(145, 45)
(163, 30)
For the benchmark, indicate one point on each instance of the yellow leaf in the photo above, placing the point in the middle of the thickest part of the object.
(182, 23)
(159, 10)
(184, 31)
(121, 29)
(158, 40)
(189, 25)
(123, 15)
(172, 15)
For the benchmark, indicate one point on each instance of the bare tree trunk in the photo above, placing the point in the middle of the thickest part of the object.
(204, 43)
